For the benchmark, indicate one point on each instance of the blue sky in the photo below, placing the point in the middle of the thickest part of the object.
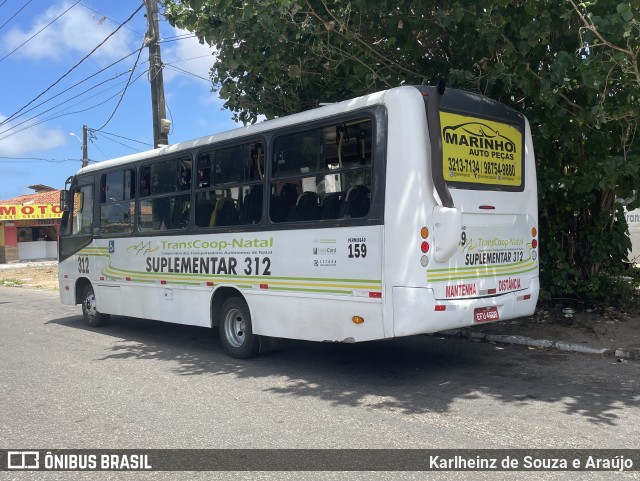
(35, 143)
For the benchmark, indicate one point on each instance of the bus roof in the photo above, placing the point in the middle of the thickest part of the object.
(298, 118)
(454, 100)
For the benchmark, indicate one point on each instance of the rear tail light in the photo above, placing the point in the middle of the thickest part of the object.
(424, 234)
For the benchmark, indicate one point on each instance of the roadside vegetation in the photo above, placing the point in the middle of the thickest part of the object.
(571, 67)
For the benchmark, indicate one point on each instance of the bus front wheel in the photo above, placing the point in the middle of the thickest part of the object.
(236, 331)
(91, 315)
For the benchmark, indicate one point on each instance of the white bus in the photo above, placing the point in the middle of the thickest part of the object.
(403, 212)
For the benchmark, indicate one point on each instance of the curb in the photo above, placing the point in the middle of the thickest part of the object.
(622, 352)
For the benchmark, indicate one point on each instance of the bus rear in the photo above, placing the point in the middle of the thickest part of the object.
(465, 223)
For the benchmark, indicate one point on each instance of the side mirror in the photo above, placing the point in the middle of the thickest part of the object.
(64, 200)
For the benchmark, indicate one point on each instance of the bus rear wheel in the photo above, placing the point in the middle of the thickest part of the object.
(91, 315)
(236, 331)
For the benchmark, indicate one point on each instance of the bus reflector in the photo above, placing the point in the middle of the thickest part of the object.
(491, 291)
(526, 297)
(440, 307)
(376, 295)
(357, 319)
(487, 207)
(209, 284)
(534, 243)
(264, 286)
(101, 278)
(127, 278)
(163, 282)
(425, 247)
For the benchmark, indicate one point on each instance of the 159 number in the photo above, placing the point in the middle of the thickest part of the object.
(357, 250)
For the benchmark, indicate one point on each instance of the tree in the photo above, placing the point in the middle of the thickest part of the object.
(571, 68)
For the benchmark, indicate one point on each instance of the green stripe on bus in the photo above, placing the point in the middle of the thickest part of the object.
(371, 283)
(467, 277)
(439, 275)
(322, 291)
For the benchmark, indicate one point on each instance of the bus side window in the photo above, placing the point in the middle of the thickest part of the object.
(117, 205)
(165, 199)
(230, 186)
(322, 173)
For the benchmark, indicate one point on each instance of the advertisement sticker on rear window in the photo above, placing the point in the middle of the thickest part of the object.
(480, 151)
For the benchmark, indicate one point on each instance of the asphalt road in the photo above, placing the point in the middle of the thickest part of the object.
(142, 384)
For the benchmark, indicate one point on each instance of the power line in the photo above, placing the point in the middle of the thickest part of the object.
(72, 68)
(187, 72)
(125, 138)
(57, 114)
(74, 112)
(103, 16)
(91, 88)
(124, 91)
(43, 28)
(98, 93)
(22, 159)
(96, 146)
(14, 15)
(187, 59)
(171, 39)
(63, 102)
(120, 143)
(170, 117)
(73, 86)
(182, 35)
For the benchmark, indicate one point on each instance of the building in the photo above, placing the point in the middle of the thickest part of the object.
(30, 225)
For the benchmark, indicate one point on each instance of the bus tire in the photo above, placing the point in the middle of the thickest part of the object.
(236, 330)
(91, 315)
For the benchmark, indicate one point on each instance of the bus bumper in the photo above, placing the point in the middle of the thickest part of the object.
(416, 310)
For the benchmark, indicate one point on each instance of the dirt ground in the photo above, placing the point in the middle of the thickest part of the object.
(37, 277)
(610, 329)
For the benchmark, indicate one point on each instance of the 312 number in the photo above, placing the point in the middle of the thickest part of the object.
(253, 266)
(83, 265)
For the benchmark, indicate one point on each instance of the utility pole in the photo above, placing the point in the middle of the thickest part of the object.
(158, 112)
(85, 153)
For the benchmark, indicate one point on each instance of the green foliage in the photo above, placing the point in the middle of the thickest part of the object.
(571, 68)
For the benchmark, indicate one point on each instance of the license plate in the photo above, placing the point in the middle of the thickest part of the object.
(486, 314)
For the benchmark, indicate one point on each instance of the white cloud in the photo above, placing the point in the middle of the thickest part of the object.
(77, 31)
(34, 139)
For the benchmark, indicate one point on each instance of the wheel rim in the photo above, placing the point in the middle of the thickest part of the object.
(90, 305)
(235, 326)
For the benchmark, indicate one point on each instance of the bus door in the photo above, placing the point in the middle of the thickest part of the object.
(77, 221)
